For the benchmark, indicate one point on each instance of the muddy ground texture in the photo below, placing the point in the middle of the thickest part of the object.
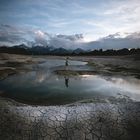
(110, 120)
(103, 65)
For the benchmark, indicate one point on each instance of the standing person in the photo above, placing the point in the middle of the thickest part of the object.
(66, 63)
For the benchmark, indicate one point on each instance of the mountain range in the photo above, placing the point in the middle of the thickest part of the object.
(23, 49)
(49, 50)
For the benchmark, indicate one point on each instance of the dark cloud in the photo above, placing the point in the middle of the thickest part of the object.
(11, 34)
(75, 37)
(111, 36)
(135, 35)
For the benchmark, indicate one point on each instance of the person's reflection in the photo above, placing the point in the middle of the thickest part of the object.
(67, 82)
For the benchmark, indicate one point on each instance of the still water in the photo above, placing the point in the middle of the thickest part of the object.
(42, 86)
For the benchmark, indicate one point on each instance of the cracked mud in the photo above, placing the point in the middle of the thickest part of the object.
(91, 121)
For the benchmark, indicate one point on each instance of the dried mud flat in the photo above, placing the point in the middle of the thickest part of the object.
(99, 120)
(91, 121)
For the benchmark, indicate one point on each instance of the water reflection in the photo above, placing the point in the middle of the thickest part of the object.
(67, 82)
(42, 75)
(44, 86)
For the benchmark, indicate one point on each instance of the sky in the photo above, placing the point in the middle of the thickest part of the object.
(90, 20)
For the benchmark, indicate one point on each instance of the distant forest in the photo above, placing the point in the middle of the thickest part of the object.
(63, 52)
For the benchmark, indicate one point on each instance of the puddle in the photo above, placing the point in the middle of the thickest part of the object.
(44, 87)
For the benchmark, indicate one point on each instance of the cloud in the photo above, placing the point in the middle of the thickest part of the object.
(40, 38)
(10, 35)
(32, 37)
(57, 41)
(66, 41)
(76, 37)
(116, 41)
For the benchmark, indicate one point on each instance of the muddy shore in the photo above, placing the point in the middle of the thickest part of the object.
(119, 65)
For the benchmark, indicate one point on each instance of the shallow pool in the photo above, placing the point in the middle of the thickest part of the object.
(43, 87)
